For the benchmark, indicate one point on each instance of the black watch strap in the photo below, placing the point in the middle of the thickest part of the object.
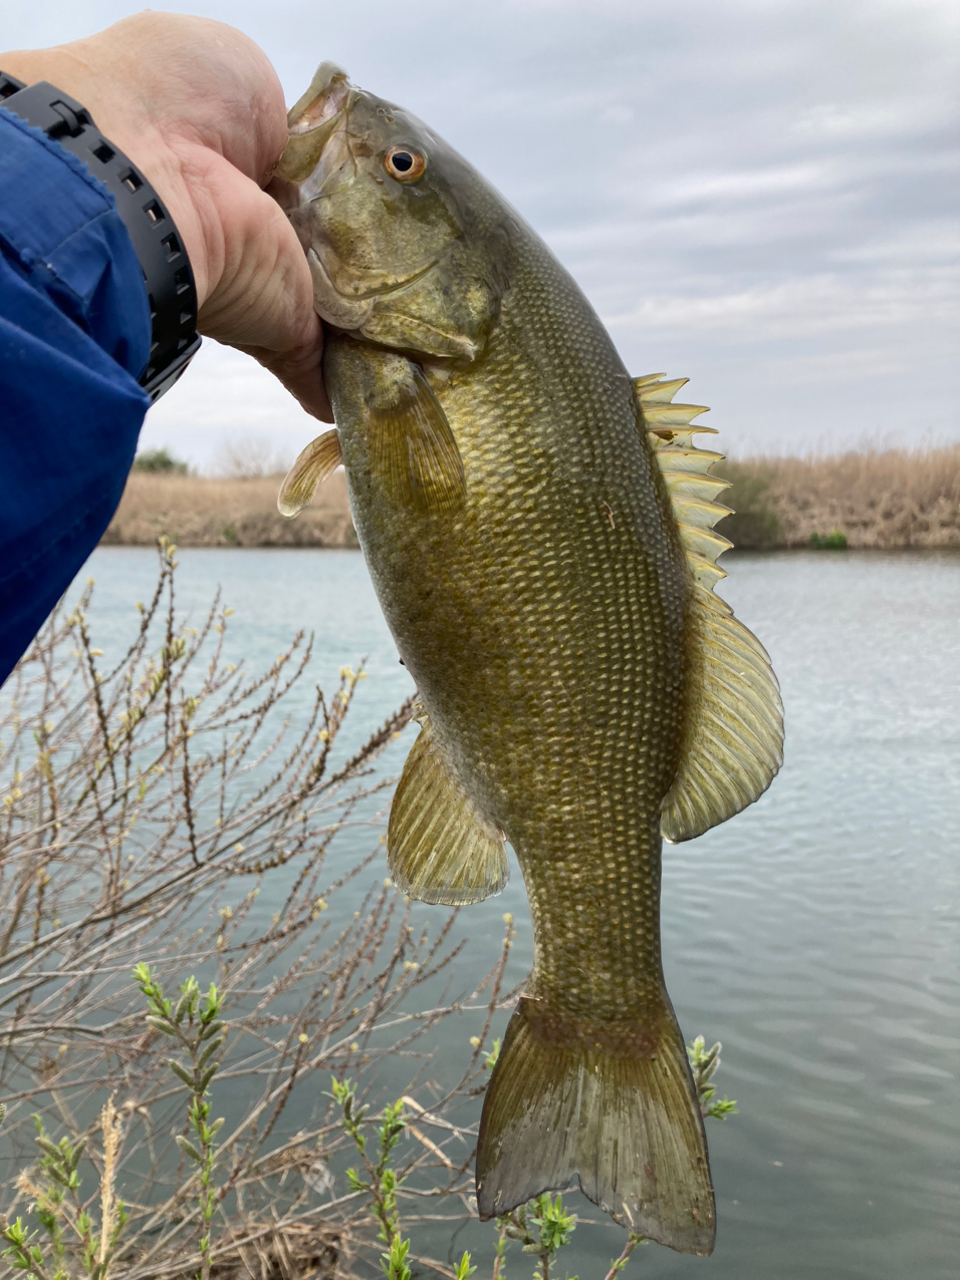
(166, 269)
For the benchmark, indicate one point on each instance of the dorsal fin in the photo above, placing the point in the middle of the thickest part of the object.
(733, 735)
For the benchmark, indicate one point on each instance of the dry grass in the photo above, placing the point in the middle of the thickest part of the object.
(197, 512)
(878, 499)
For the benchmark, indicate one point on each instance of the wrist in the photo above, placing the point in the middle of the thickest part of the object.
(119, 115)
(167, 281)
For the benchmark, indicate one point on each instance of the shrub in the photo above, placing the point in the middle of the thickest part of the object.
(835, 541)
(159, 460)
(752, 523)
(146, 803)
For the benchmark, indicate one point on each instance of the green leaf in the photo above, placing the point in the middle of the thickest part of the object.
(181, 1072)
(464, 1268)
(182, 1009)
(208, 1053)
(207, 1076)
(394, 1263)
(213, 1005)
(161, 1024)
(722, 1108)
(186, 1145)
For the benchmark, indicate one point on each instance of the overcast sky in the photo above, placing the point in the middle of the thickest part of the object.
(758, 194)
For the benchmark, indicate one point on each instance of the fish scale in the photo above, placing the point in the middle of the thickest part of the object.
(537, 527)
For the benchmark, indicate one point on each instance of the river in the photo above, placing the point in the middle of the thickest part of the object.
(817, 935)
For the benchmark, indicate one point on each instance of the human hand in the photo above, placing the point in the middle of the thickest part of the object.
(198, 107)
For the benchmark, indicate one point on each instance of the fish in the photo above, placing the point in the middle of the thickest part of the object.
(538, 526)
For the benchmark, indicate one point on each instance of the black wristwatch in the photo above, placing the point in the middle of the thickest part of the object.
(166, 269)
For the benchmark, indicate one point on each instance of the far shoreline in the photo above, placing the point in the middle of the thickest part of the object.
(890, 500)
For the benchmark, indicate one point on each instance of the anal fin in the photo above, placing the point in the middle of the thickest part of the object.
(439, 847)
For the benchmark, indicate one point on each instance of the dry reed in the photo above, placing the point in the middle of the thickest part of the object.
(143, 806)
(198, 512)
(883, 499)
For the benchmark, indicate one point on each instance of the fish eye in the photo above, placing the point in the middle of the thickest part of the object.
(404, 164)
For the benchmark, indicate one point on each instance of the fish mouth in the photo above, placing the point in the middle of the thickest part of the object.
(330, 304)
(327, 96)
(351, 310)
(311, 123)
(359, 287)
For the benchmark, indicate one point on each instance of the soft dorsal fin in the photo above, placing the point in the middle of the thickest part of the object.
(733, 735)
(318, 460)
(439, 847)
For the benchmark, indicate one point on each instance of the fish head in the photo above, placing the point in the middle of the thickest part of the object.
(395, 225)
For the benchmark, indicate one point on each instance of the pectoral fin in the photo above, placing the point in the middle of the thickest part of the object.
(733, 734)
(439, 847)
(317, 461)
(412, 448)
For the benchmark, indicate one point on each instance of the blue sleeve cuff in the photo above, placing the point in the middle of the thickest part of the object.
(60, 227)
(74, 336)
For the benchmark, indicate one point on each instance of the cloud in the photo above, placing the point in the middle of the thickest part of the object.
(759, 193)
(803, 308)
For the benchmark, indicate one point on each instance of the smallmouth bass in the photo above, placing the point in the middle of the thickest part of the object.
(539, 529)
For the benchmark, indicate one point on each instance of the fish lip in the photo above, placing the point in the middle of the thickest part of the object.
(330, 304)
(312, 122)
(328, 96)
(364, 294)
(346, 310)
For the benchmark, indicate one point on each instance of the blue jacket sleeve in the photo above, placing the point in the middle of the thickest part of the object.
(74, 337)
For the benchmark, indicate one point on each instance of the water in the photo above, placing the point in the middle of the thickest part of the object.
(817, 935)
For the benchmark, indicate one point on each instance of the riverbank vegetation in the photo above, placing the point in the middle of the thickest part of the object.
(217, 1033)
(196, 511)
(147, 799)
(880, 499)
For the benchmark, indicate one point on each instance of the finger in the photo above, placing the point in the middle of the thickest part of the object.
(260, 297)
(260, 293)
(301, 373)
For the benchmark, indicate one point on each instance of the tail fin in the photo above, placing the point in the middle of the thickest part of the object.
(610, 1106)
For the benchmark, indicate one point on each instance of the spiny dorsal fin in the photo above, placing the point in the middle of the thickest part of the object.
(318, 460)
(733, 735)
(439, 848)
